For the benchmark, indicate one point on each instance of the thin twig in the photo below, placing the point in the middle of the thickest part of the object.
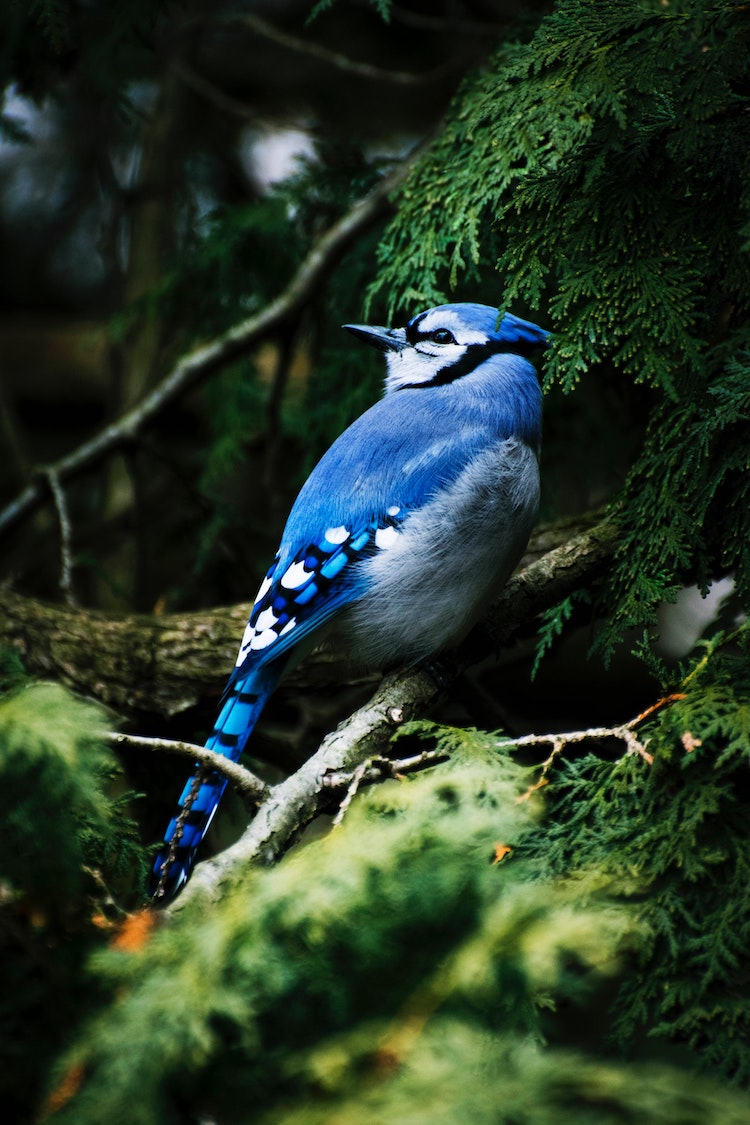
(244, 781)
(356, 780)
(623, 732)
(442, 24)
(325, 55)
(66, 555)
(212, 93)
(207, 359)
(376, 769)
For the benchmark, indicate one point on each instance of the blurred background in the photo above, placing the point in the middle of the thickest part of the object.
(164, 170)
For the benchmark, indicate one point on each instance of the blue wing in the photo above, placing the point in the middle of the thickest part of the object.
(355, 499)
(292, 603)
(351, 506)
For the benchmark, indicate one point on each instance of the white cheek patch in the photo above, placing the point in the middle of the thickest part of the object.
(407, 367)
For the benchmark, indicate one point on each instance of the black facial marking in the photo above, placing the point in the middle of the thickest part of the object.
(413, 335)
(472, 357)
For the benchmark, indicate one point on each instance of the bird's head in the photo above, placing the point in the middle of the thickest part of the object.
(447, 342)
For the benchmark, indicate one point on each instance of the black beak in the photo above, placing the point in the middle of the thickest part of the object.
(385, 339)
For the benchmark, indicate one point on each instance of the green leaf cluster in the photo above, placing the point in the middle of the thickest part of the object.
(59, 819)
(685, 509)
(604, 166)
(678, 828)
(67, 845)
(395, 970)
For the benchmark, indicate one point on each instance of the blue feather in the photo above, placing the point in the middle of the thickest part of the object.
(399, 534)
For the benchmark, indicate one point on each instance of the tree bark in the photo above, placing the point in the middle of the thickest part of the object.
(142, 665)
(293, 803)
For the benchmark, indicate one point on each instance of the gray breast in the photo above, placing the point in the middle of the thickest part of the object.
(433, 579)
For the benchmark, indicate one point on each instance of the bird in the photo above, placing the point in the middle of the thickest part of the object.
(413, 518)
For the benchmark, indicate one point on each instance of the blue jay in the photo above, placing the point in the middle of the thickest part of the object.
(415, 515)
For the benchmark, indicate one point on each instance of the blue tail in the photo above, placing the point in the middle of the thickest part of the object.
(243, 700)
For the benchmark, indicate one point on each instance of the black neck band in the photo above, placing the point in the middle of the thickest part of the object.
(471, 359)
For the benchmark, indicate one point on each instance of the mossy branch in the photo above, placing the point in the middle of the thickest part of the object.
(149, 665)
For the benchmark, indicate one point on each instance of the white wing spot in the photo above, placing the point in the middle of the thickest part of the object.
(394, 510)
(288, 627)
(247, 637)
(295, 576)
(385, 537)
(337, 534)
(265, 586)
(265, 620)
(263, 640)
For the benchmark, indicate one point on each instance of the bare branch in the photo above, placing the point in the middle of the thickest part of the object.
(217, 353)
(377, 769)
(295, 802)
(66, 555)
(623, 732)
(212, 93)
(445, 23)
(166, 664)
(247, 784)
(341, 62)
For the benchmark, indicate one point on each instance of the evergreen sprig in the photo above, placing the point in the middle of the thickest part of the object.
(679, 829)
(607, 158)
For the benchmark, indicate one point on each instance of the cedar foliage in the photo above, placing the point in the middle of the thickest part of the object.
(392, 971)
(610, 156)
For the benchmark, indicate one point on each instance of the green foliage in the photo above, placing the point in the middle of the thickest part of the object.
(54, 769)
(617, 121)
(608, 158)
(392, 971)
(66, 845)
(300, 979)
(12, 671)
(679, 828)
(40, 38)
(553, 622)
(691, 489)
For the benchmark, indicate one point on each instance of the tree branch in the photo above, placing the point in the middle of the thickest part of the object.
(168, 663)
(146, 666)
(247, 784)
(295, 802)
(320, 53)
(210, 357)
(66, 538)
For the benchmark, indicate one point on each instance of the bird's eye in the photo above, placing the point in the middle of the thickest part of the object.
(442, 336)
